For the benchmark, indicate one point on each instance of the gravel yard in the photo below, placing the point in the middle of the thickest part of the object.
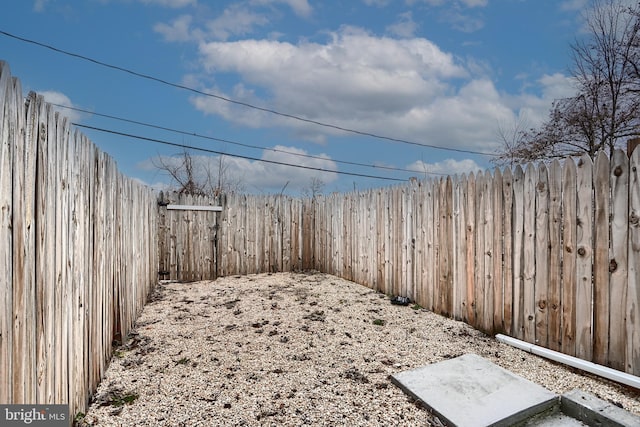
(293, 349)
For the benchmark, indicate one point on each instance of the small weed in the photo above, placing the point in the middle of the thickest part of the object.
(119, 354)
(416, 306)
(117, 397)
(379, 322)
(125, 399)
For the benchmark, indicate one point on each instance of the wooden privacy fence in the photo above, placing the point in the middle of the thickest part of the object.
(548, 254)
(77, 254)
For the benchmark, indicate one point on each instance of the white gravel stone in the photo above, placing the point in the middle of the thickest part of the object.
(293, 349)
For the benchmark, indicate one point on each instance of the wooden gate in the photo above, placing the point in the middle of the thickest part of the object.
(188, 236)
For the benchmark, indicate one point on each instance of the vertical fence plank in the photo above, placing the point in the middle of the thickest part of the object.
(459, 247)
(488, 252)
(529, 254)
(497, 255)
(428, 230)
(446, 265)
(541, 277)
(584, 237)
(480, 206)
(20, 250)
(517, 317)
(507, 227)
(632, 351)
(31, 125)
(470, 231)
(409, 242)
(569, 267)
(554, 304)
(380, 242)
(618, 258)
(47, 255)
(308, 230)
(601, 295)
(437, 249)
(7, 107)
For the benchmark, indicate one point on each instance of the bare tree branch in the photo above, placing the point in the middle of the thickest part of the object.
(606, 109)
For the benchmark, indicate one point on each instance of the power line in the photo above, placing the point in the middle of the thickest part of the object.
(244, 104)
(182, 132)
(191, 147)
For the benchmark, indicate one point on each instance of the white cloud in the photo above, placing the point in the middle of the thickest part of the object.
(59, 98)
(236, 20)
(404, 27)
(175, 4)
(407, 89)
(446, 167)
(353, 73)
(179, 30)
(534, 109)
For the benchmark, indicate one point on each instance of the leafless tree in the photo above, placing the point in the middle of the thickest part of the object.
(199, 176)
(314, 188)
(606, 109)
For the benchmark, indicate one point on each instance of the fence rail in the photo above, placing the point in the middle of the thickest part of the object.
(77, 258)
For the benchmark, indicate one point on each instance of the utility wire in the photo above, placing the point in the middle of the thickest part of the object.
(244, 104)
(182, 132)
(206, 150)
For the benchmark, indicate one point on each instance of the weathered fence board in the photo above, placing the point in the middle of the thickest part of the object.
(470, 284)
(7, 135)
(584, 240)
(541, 277)
(517, 328)
(554, 298)
(632, 348)
(569, 254)
(529, 255)
(497, 253)
(601, 259)
(507, 252)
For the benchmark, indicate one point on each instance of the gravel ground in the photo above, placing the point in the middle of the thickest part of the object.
(293, 349)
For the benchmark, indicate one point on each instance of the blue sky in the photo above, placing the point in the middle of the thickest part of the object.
(440, 73)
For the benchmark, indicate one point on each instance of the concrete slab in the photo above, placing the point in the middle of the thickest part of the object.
(470, 391)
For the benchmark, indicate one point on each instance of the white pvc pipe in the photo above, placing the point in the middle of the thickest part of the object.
(603, 371)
